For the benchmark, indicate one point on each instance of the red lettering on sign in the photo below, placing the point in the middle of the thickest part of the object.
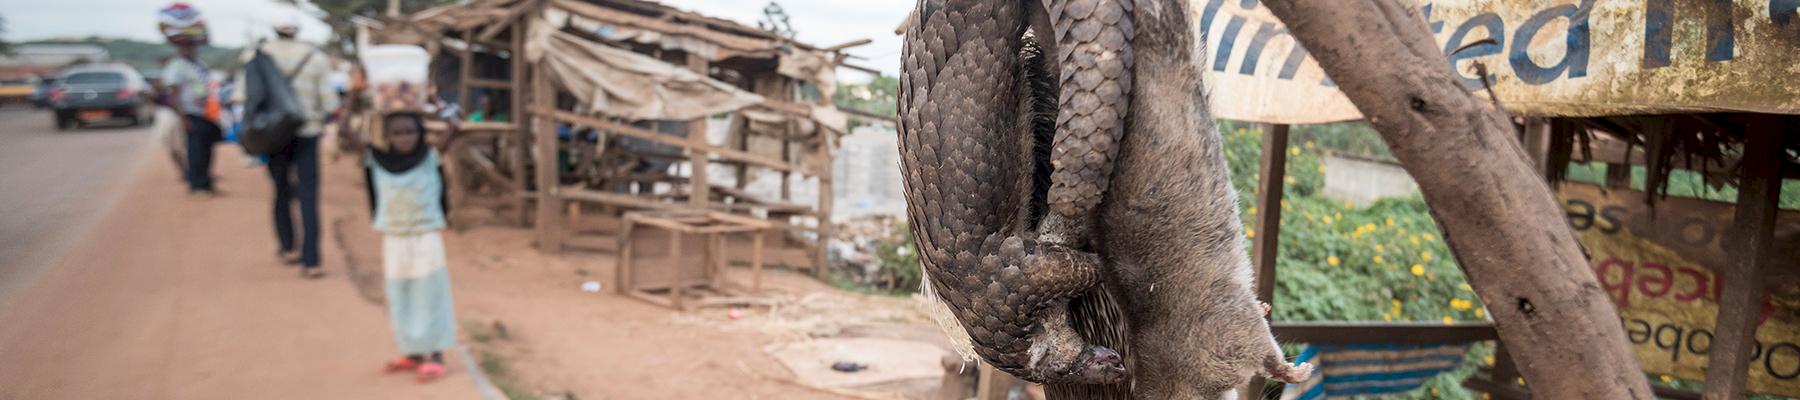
(1662, 283)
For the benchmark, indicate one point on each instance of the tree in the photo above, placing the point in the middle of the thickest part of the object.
(6, 46)
(1500, 220)
(338, 14)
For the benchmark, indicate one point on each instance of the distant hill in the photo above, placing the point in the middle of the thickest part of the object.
(148, 56)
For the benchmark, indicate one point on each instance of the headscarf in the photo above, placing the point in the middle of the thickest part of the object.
(395, 161)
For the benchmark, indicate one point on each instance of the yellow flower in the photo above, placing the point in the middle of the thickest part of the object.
(1480, 313)
(1415, 240)
(1250, 232)
(1337, 215)
(1402, 231)
(1428, 237)
(1448, 320)
(1321, 168)
(1327, 220)
(1460, 304)
(1667, 379)
(1386, 317)
(1293, 151)
(1490, 359)
(1378, 260)
(1333, 260)
(1309, 144)
(1369, 227)
(1288, 180)
(1418, 270)
(1349, 206)
(1252, 210)
(1465, 287)
(1434, 392)
(1425, 255)
(1284, 204)
(1380, 249)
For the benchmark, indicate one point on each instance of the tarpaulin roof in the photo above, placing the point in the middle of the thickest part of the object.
(618, 82)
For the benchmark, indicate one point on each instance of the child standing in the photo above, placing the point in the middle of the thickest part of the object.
(406, 187)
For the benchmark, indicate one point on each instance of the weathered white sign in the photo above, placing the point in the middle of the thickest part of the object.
(1545, 58)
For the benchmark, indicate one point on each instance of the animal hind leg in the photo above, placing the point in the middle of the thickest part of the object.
(1093, 61)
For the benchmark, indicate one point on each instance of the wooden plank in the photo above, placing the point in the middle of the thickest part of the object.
(640, 133)
(849, 44)
(549, 228)
(489, 84)
(1751, 240)
(1360, 332)
(993, 384)
(591, 242)
(699, 188)
(675, 285)
(617, 199)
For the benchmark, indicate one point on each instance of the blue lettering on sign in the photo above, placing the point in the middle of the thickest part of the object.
(1264, 31)
(1659, 16)
(1574, 60)
(1786, 15)
(1719, 36)
(1496, 29)
(1226, 40)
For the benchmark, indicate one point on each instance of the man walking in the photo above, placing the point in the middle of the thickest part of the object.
(295, 168)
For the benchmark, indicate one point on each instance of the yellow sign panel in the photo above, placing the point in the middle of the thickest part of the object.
(1543, 57)
(1659, 271)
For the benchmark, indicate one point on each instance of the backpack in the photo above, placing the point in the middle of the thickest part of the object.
(272, 112)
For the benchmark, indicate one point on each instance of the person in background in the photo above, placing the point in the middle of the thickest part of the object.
(484, 111)
(294, 170)
(184, 88)
(406, 192)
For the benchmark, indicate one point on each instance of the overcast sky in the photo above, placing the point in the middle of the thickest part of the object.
(235, 22)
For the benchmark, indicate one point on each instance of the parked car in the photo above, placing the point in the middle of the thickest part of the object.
(101, 92)
(40, 96)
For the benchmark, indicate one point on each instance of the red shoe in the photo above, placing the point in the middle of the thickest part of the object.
(431, 371)
(402, 364)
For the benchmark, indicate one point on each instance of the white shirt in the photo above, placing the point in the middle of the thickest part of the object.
(189, 78)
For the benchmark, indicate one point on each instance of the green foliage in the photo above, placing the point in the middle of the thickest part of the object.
(1337, 261)
(1684, 183)
(880, 96)
(146, 56)
(900, 259)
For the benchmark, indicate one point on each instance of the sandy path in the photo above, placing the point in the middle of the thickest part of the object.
(170, 297)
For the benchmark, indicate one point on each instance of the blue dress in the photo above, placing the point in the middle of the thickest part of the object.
(410, 215)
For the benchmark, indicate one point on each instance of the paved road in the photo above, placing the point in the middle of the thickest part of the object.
(54, 184)
(125, 287)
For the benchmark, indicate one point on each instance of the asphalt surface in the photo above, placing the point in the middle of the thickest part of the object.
(55, 184)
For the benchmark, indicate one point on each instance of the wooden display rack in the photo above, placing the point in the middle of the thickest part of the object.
(667, 283)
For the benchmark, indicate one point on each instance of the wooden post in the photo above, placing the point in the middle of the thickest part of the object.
(464, 90)
(825, 228)
(515, 141)
(676, 267)
(623, 274)
(699, 189)
(1751, 237)
(1268, 226)
(756, 260)
(1618, 176)
(549, 219)
(993, 383)
(1537, 144)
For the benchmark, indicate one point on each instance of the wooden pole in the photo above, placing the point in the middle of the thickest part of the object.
(1504, 226)
(699, 189)
(512, 145)
(549, 219)
(756, 260)
(623, 275)
(464, 87)
(677, 268)
(825, 229)
(1264, 245)
(1751, 238)
(1537, 144)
